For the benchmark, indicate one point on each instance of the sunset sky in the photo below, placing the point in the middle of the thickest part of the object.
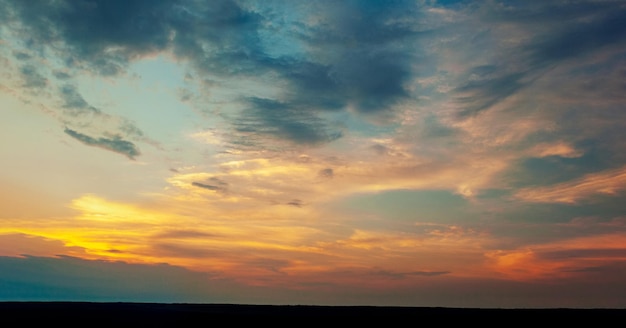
(413, 153)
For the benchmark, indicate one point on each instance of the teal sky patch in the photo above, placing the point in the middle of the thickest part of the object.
(437, 206)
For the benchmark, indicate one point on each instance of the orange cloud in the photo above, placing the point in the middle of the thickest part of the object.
(560, 259)
(19, 244)
(561, 149)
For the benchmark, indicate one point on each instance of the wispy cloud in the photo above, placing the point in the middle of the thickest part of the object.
(32, 78)
(115, 143)
(402, 275)
(609, 182)
(72, 100)
(213, 184)
(271, 118)
(592, 27)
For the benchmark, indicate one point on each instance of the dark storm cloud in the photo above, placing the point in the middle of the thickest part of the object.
(114, 144)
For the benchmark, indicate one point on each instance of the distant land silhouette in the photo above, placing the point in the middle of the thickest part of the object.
(87, 314)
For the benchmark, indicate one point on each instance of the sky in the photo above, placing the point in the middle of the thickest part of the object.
(388, 153)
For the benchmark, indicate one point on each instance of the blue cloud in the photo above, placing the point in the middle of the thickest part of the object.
(115, 143)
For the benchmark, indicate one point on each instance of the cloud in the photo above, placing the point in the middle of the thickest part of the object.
(327, 173)
(181, 251)
(21, 55)
(568, 258)
(218, 38)
(403, 275)
(608, 182)
(359, 56)
(350, 55)
(344, 64)
(585, 253)
(207, 186)
(561, 149)
(267, 117)
(184, 234)
(32, 78)
(595, 26)
(214, 184)
(115, 144)
(105, 35)
(74, 101)
(20, 244)
(335, 60)
(355, 56)
(375, 82)
(530, 40)
(296, 203)
(61, 75)
(480, 94)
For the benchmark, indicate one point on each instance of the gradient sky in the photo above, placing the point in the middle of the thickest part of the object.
(414, 153)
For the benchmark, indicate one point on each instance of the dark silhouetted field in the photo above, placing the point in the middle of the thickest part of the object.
(175, 315)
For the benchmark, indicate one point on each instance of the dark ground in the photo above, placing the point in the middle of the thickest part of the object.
(177, 315)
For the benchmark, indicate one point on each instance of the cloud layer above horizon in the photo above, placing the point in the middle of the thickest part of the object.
(380, 146)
